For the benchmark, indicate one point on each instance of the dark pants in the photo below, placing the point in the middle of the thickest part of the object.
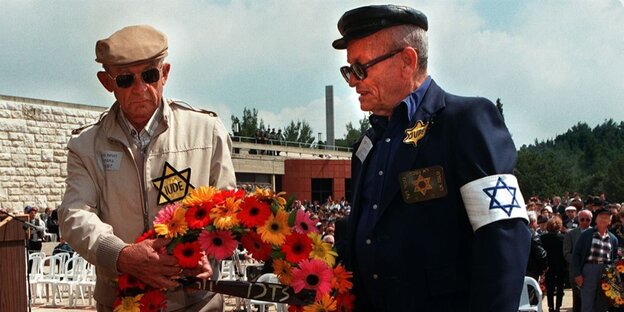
(576, 295)
(554, 285)
(593, 300)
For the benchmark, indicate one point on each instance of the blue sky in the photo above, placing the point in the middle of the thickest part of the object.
(553, 63)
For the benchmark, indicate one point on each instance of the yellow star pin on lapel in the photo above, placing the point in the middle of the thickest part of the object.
(173, 185)
(415, 133)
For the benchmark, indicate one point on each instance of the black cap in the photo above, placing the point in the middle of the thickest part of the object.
(602, 210)
(364, 21)
(542, 219)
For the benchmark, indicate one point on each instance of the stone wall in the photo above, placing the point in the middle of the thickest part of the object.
(33, 153)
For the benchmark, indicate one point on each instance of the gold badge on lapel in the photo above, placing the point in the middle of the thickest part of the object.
(173, 185)
(415, 133)
(423, 184)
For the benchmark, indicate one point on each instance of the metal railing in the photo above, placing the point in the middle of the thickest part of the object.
(313, 145)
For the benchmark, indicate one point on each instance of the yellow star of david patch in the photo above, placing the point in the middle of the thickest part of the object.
(415, 133)
(173, 185)
(422, 185)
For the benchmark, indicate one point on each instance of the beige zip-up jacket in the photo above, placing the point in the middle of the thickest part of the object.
(106, 207)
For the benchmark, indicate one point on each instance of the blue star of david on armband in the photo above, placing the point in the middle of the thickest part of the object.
(502, 197)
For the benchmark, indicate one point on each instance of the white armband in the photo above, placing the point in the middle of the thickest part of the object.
(493, 198)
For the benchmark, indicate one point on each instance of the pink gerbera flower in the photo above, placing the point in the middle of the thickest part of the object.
(304, 223)
(219, 244)
(166, 214)
(312, 274)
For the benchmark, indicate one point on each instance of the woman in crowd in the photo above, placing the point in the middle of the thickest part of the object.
(552, 241)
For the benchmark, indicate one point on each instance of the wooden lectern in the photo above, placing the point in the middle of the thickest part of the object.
(13, 291)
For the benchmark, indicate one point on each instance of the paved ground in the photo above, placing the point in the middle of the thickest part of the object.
(230, 305)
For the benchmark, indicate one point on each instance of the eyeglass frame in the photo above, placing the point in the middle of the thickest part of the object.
(346, 71)
(134, 75)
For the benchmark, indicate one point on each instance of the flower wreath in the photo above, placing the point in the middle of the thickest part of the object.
(212, 222)
(611, 283)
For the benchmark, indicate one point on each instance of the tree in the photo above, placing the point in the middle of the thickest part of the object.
(249, 124)
(354, 134)
(298, 132)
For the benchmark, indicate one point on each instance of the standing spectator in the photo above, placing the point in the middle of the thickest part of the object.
(541, 222)
(547, 212)
(46, 213)
(36, 231)
(552, 241)
(52, 223)
(538, 260)
(569, 242)
(558, 207)
(570, 218)
(595, 248)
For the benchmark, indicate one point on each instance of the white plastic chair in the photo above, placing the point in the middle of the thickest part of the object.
(266, 278)
(35, 260)
(54, 275)
(525, 304)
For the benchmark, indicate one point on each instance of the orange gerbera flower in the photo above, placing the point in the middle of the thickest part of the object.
(283, 270)
(200, 196)
(275, 229)
(268, 195)
(340, 281)
(606, 286)
(177, 226)
(225, 214)
(326, 304)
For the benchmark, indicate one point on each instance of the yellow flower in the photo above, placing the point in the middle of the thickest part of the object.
(326, 304)
(275, 229)
(224, 215)
(198, 196)
(176, 226)
(322, 250)
(268, 195)
(129, 304)
(283, 270)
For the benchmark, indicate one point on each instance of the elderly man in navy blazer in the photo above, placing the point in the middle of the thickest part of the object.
(438, 221)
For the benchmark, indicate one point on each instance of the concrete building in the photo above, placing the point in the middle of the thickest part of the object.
(33, 155)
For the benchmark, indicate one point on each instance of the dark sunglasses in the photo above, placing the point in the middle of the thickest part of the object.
(359, 70)
(584, 220)
(126, 80)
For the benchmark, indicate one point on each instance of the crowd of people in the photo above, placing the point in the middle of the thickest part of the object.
(557, 259)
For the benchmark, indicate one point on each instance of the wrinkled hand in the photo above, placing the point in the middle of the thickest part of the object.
(143, 261)
(579, 280)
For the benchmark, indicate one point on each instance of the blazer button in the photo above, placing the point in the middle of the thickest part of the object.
(375, 276)
(368, 242)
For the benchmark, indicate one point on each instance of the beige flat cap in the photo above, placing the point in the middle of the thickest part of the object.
(130, 45)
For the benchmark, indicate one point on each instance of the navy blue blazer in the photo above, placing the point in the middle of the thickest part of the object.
(426, 254)
(581, 250)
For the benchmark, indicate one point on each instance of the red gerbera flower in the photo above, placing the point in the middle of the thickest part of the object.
(219, 244)
(256, 247)
(253, 212)
(345, 302)
(297, 247)
(153, 301)
(234, 194)
(149, 234)
(295, 308)
(126, 281)
(198, 216)
(188, 254)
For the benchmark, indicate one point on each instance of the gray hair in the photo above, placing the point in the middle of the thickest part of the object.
(532, 216)
(415, 37)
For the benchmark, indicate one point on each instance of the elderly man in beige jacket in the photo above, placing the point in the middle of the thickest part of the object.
(141, 154)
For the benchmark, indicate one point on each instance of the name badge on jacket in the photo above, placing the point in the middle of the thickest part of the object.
(423, 184)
